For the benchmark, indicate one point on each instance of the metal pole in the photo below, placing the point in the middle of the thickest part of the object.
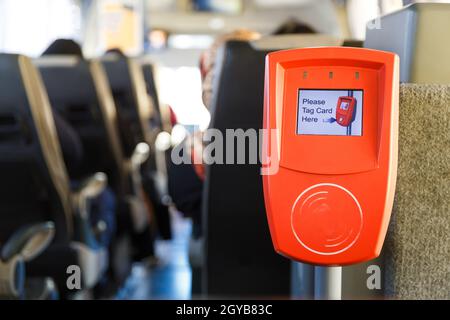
(328, 283)
(302, 280)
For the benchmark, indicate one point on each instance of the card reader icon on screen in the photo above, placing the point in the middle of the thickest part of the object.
(345, 111)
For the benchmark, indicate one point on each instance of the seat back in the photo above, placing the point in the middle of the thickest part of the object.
(149, 77)
(34, 185)
(240, 259)
(134, 107)
(79, 90)
(417, 248)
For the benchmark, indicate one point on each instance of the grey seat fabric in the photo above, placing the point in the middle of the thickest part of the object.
(417, 249)
(149, 77)
(240, 259)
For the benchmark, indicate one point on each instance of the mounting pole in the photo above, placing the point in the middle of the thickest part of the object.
(328, 283)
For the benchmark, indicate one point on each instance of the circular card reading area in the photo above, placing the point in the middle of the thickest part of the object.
(326, 219)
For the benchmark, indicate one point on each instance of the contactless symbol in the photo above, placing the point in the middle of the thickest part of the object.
(326, 219)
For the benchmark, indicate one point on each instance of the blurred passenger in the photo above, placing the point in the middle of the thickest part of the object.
(158, 39)
(64, 47)
(208, 60)
(103, 208)
(293, 26)
(116, 51)
(186, 180)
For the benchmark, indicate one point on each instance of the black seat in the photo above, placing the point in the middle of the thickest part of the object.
(78, 90)
(132, 102)
(149, 77)
(35, 187)
(137, 117)
(240, 259)
(21, 143)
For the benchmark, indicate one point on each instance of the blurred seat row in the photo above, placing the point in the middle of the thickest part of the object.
(77, 156)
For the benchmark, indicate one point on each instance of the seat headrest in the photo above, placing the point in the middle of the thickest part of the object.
(57, 61)
(238, 87)
(64, 46)
(113, 57)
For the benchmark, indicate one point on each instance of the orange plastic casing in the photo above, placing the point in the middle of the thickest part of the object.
(329, 198)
